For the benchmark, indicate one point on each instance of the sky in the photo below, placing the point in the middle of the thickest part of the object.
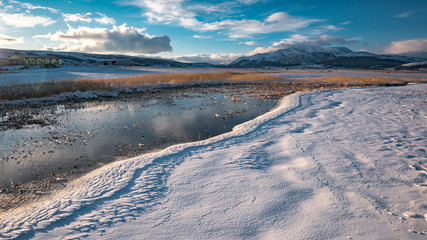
(216, 31)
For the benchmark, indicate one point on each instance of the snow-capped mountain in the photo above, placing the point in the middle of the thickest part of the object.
(301, 55)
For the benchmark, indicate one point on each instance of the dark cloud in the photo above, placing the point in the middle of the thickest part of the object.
(9, 40)
(119, 39)
(6, 39)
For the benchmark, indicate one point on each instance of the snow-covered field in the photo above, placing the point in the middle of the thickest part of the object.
(339, 164)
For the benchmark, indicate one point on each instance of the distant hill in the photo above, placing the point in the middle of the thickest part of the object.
(301, 55)
(87, 59)
(298, 55)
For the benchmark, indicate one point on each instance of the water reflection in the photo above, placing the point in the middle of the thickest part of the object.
(81, 136)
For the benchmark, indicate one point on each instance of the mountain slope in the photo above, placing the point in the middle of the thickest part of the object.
(301, 55)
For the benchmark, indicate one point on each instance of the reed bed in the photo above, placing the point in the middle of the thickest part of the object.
(53, 88)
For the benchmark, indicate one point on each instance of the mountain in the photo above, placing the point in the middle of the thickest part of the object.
(86, 59)
(302, 55)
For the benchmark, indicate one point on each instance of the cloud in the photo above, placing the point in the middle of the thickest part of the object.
(201, 36)
(88, 17)
(250, 43)
(406, 14)
(284, 43)
(224, 58)
(32, 7)
(248, 2)
(276, 22)
(331, 28)
(10, 40)
(207, 8)
(173, 11)
(167, 11)
(103, 19)
(120, 39)
(407, 46)
(323, 40)
(21, 20)
(327, 40)
(85, 17)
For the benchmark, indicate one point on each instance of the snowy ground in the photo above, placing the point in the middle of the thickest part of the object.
(339, 164)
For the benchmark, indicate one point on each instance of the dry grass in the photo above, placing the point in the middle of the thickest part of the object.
(186, 78)
(52, 88)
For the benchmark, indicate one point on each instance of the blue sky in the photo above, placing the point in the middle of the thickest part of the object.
(216, 30)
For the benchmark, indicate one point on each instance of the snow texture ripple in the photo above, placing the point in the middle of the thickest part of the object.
(348, 163)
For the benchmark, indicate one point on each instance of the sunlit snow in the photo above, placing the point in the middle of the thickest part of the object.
(338, 164)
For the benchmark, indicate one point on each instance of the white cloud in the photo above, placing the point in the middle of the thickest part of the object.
(406, 14)
(9, 40)
(22, 20)
(279, 16)
(172, 11)
(323, 40)
(284, 43)
(201, 36)
(250, 43)
(85, 17)
(277, 22)
(331, 28)
(407, 46)
(248, 2)
(32, 7)
(224, 58)
(326, 28)
(345, 23)
(103, 19)
(120, 39)
(88, 17)
(217, 8)
(167, 11)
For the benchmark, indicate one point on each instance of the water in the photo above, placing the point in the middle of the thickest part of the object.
(50, 140)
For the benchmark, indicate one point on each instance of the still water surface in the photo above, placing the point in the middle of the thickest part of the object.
(75, 138)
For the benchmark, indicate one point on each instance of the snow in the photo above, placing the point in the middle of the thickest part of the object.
(338, 164)
(296, 74)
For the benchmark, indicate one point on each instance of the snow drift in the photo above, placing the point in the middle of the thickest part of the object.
(348, 163)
